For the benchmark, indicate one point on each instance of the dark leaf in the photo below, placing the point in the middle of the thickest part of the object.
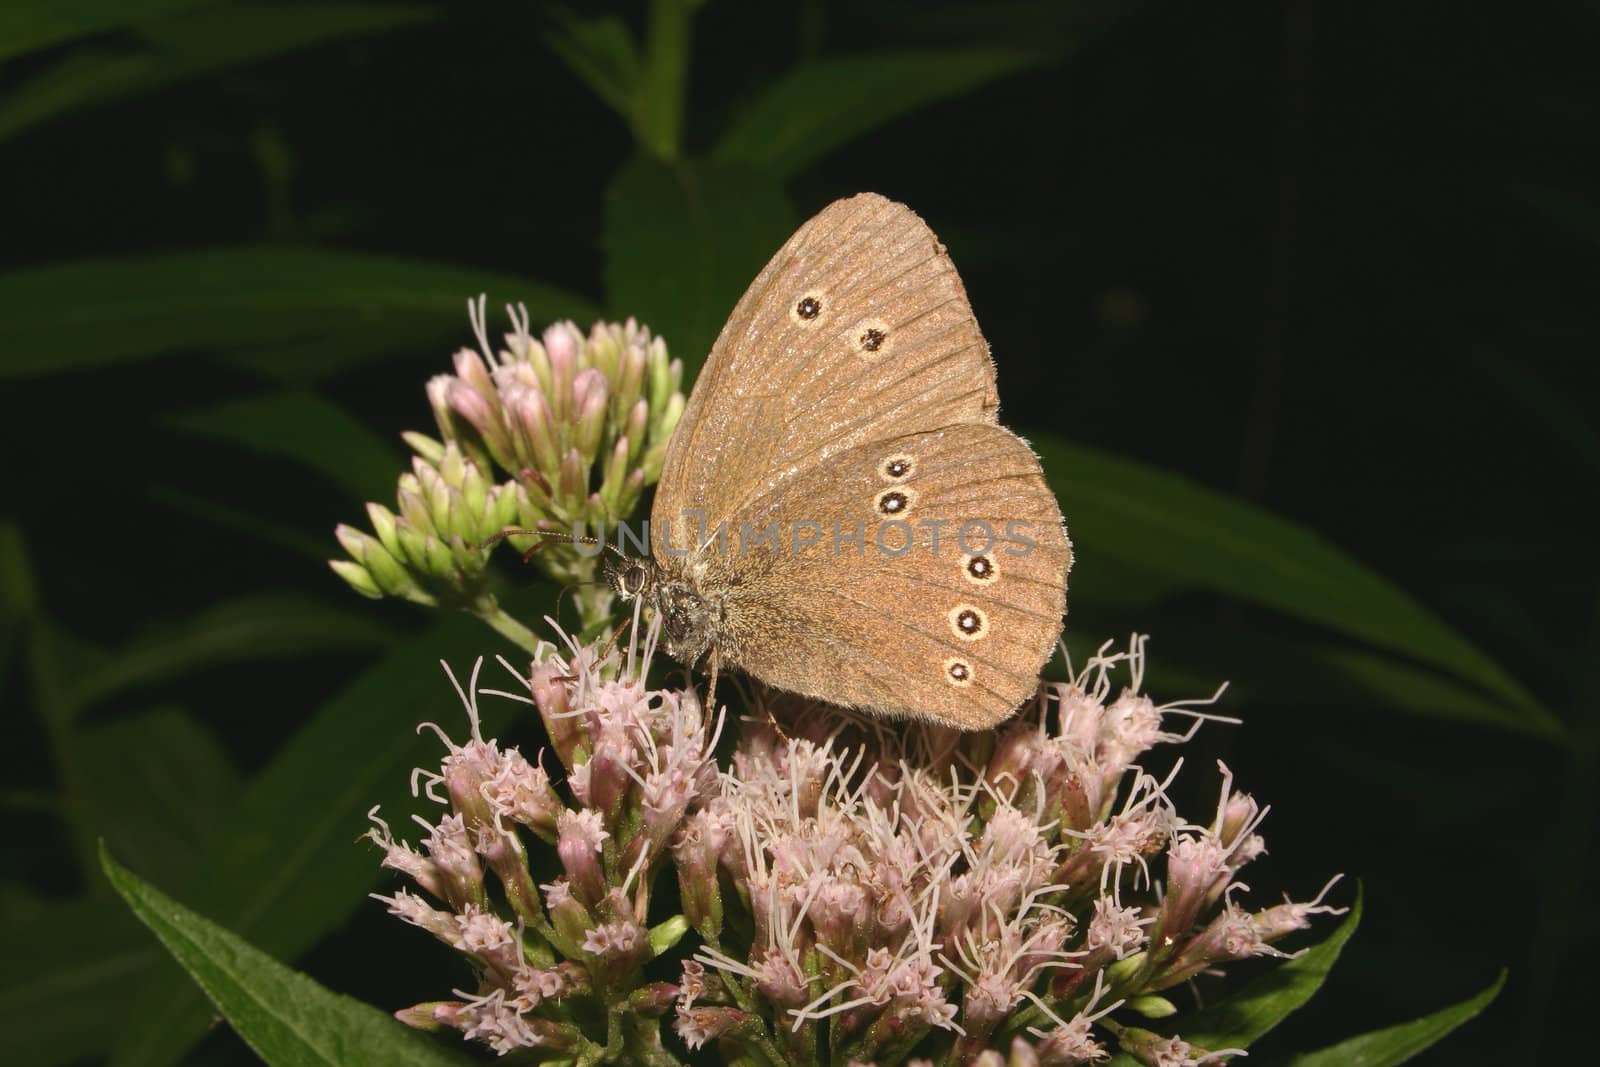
(1397, 1044)
(264, 626)
(156, 784)
(815, 108)
(308, 429)
(67, 963)
(283, 1015)
(1149, 519)
(31, 25)
(191, 44)
(683, 242)
(601, 51)
(289, 868)
(89, 313)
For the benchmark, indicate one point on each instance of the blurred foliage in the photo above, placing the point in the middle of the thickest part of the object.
(1293, 302)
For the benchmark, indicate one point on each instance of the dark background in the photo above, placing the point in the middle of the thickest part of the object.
(1332, 260)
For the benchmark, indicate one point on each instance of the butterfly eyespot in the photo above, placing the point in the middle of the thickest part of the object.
(807, 308)
(870, 338)
(958, 671)
(980, 570)
(893, 502)
(968, 622)
(896, 468)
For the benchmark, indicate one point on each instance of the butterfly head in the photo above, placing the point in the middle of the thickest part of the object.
(690, 621)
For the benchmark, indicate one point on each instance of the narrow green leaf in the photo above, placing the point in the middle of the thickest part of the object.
(31, 25)
(599, 50)
(1397, 1044)
(261, 528)
(1553, 411)
(156, 784)
(308, 429)
(289, 868)
(191, 44)
(1242, 1017)
(1402, 686)
(1145, 518)
(284, 1016)
(89, 313)
(19, 598)
(257, 627)
(817, 107)
(682, 243)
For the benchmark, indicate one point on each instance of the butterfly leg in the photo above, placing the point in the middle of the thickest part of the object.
(711, 690)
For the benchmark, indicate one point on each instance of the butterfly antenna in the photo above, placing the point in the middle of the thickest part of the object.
(560, 536)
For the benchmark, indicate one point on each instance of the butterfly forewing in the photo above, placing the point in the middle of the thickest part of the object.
(935, 586)
(858, 330)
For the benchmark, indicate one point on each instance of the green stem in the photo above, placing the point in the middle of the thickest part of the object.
(658, 107)
(507, 627)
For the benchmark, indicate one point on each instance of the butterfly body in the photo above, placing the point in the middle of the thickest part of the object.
(839, 513)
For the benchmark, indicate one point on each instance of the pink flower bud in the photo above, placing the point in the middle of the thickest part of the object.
(578, 844)
(699, 1025)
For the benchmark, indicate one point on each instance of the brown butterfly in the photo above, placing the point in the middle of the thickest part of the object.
(840, 513)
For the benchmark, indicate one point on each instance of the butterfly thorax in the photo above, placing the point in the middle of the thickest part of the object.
(692, 617)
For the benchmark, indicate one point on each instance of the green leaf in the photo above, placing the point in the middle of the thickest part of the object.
(31, 25)
(682, 243)
(1242, 1017)
(1419, 691)
(189, 45)
(1145, 518)
(66, 964)
(90, 313)
(817, 107)
(258, 627)
(601, 52)
(289, 869)
(156, 784)
(308, 429)
(1553, 410)
(265, 529)
(1397, 1044)
(284, 1016)
(19, 598)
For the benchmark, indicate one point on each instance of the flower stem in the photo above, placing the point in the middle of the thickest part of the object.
(504, 625)
(658, 105)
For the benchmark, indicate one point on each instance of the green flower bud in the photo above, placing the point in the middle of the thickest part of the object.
(357, 576)
(383, 524)
(423, 445)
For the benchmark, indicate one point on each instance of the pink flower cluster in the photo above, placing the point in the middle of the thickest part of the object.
(862, 891)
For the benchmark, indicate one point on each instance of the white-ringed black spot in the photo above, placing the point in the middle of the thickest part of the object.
(958, 672)
(896, 468)
(872, 340)
(808, 308)
(893, 503)
(980, 569)
(968, 622)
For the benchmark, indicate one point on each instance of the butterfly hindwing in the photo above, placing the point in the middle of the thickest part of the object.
(935, 586)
